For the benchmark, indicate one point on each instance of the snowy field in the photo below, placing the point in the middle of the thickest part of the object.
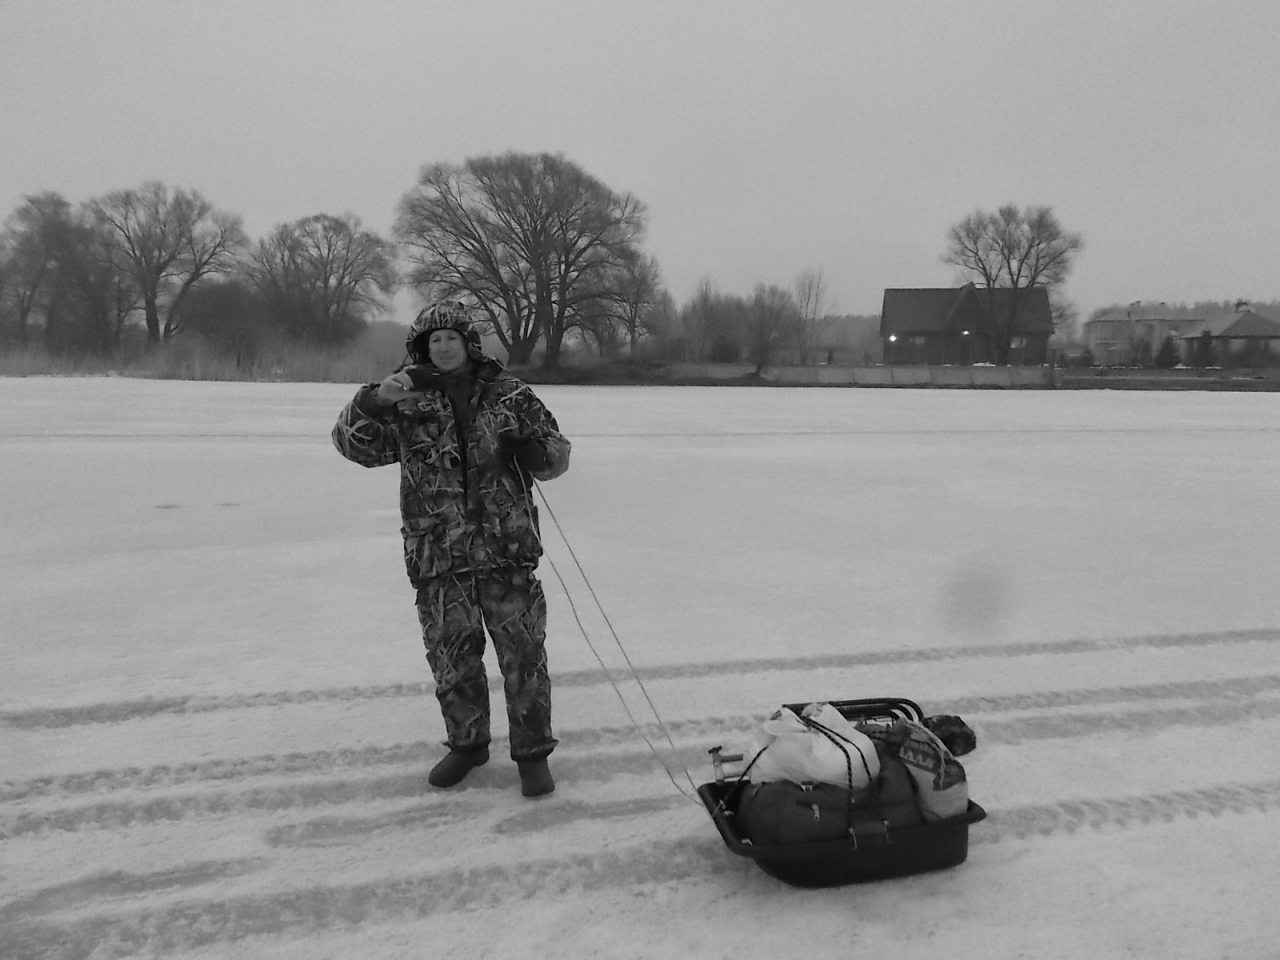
(216, 718)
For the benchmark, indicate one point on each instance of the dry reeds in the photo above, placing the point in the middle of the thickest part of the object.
(373, 355)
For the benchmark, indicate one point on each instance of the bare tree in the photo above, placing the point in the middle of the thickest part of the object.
(715, 324)
(30, 238)
(1015, 249)
(65, 276)
(635, 291)
(533, 238)
(322, 276)
(772, 319)
(619, 312)
(1066, 317)
(170, 239)
(6, 276)
(229, 314)
(661, 322)
(699, 318)
(96, 292)
(811, 299)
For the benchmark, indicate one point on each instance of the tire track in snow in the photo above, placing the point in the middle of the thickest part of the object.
(120, 883)
(1228, 701)
(119, 711)
(585, 767)
(194, 922)
(1074, 815)
(217, 771)
(311, 793)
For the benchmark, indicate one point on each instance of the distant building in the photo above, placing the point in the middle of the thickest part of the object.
(954, 325)
(1133, 334)
(1241, 338)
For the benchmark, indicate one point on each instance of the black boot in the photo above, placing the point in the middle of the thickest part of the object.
(455, 766)
(535, 777)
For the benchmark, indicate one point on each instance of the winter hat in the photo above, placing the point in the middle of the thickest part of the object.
(442, 315)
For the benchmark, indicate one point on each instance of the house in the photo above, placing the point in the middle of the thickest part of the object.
(1133, 334)
(941, 325)
(1239, 339)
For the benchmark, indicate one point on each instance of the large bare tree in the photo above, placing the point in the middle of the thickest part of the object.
(1013, 248)
(171, 239)
(322, 276)
(532, 237)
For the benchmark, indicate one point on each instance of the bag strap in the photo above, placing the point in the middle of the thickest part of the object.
(841, 742)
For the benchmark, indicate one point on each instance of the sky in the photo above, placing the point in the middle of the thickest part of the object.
(765, 138)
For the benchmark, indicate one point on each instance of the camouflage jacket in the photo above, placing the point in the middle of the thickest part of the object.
(464, 508)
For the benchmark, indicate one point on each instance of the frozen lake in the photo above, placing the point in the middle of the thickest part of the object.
(216, 719)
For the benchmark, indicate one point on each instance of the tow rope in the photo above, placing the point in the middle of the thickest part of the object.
(618, 642)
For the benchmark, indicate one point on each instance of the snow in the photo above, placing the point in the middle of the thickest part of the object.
(216, 719)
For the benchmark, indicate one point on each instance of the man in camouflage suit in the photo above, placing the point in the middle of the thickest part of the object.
(469, 438)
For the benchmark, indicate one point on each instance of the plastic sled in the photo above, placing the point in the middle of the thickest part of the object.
(892, 852)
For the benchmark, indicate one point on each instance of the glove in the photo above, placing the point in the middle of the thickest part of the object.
(526, 454)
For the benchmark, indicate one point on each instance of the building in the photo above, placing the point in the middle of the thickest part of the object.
(954, 325)
(1239, 339)
(1133, 334)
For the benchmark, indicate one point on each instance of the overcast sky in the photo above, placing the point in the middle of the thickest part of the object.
(764, 138)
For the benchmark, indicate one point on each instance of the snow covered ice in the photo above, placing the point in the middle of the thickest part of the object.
(216, 720)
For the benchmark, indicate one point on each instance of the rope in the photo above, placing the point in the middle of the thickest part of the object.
(618, 642)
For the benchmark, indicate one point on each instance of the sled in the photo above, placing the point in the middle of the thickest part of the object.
(889, 852)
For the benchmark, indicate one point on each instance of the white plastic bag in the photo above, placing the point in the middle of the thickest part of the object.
(785, 748)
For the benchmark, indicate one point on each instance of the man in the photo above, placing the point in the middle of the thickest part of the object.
(470, 438)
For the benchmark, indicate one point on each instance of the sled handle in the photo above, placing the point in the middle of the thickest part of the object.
(718, 760)
(875, 708)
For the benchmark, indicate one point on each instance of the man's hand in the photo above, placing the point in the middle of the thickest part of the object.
(413, 379)
(395, 388)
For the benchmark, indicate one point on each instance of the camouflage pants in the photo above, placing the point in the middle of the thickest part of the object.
(454, 612)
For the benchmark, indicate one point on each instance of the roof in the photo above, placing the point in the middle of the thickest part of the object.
(1119, 317)
(1243, 324)
(941, 310)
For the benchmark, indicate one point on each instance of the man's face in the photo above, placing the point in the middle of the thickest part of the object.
(448, 350)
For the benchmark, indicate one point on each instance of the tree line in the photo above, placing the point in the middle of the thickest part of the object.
(155, 262)
(553, 257)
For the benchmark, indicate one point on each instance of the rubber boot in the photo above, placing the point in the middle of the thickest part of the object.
(535, 777)
(455, 766)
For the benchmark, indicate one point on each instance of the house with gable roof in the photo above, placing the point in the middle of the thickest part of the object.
(956, 325)
(1242, 338)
